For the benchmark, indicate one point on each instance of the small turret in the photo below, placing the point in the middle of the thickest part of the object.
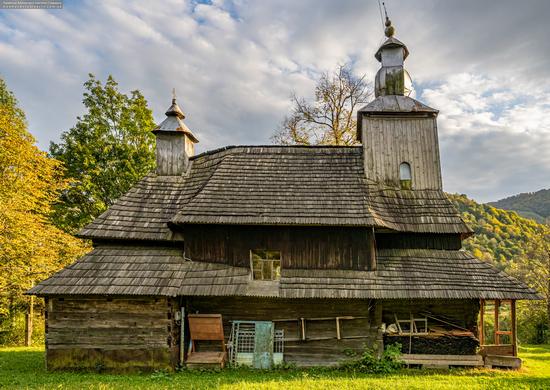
(392, 78)
(175, 142)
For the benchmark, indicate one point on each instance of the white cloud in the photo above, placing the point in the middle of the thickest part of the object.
(494, 137)
(235, 63)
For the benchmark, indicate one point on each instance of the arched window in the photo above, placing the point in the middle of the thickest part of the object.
(405, 176)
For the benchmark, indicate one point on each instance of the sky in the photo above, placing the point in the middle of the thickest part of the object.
(484, 64)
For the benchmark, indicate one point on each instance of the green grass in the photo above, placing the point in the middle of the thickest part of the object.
(22, 368)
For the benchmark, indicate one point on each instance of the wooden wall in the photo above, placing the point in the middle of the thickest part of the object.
(390, 140)
(171, 152)
(301, 247)
(418, 240)
(321, 346)
(119, 334)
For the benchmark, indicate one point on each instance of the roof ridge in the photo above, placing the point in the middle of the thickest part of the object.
(229, 147)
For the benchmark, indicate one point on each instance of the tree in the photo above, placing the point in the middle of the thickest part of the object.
(31, 248)
(330, 119)
(534, 269)
(519, 246)
(105, 153)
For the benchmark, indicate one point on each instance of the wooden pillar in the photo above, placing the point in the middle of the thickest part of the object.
(182, 335)
(378, 321)
(497, 327)
(481, 330)
(514, 327)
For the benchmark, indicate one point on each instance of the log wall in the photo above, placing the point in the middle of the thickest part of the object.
(321, 345)
(119, 334)
(301, 247)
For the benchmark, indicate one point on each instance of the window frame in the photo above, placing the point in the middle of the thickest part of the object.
(274, 277)
(405, 184)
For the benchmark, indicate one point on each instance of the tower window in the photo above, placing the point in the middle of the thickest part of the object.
(405, 176)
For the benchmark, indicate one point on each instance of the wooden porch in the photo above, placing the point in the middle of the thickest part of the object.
(498, 333)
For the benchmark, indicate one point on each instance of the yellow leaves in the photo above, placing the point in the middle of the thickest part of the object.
(477, 253)
(31, 248)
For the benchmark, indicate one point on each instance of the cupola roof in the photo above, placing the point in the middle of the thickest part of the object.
(174, 121)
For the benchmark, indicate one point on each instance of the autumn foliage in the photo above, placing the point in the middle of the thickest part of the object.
(31, 247)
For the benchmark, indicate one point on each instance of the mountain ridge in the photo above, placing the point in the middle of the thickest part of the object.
(501, 237)
(532, 205)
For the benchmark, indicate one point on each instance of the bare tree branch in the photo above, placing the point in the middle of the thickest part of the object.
(330, 118)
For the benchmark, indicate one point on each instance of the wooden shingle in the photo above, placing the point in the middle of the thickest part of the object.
(163, 271)
(273, 185)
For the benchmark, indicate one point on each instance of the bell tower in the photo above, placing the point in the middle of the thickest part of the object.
(398, 133)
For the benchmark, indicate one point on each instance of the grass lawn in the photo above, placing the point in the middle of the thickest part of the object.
(22, 368)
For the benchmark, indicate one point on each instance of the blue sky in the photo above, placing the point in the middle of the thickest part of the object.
(485, 65)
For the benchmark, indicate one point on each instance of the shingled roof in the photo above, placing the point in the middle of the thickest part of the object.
(419, 273)
(141, 270)
(273, 185)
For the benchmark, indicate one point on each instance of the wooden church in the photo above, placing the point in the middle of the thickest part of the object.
(266, 254)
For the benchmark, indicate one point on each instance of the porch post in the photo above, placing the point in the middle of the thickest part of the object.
(497, 326)
(480, 325)
(182, 336)
(514, 327)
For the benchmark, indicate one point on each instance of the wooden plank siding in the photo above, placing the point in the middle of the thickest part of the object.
(118, 334)
(391, 139)
(301, 247)
(321, 345)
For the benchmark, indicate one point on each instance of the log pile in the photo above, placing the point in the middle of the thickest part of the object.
(435, 344)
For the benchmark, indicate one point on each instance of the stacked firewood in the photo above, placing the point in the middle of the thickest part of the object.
(435, 344)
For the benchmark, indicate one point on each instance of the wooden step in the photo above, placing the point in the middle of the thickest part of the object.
(496, 361)
(443, 361)
(206, 360)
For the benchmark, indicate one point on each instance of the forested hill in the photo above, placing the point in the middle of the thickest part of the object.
(534, 205)
(501, 237)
